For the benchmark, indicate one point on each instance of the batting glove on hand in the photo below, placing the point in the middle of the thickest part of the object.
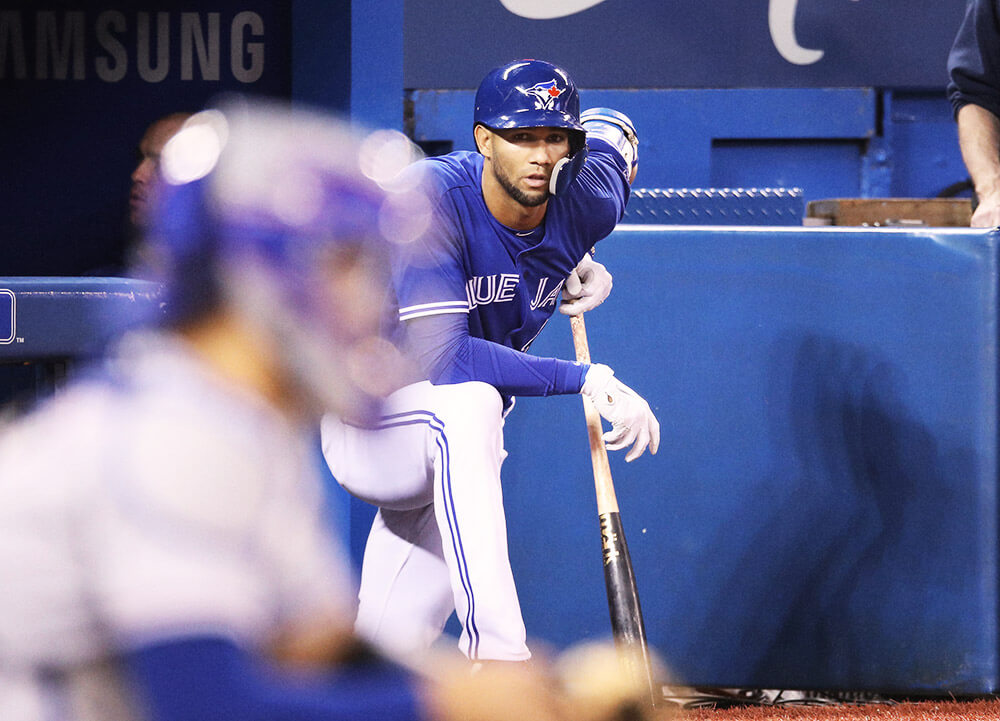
(632, 422)
(586, 287)
(618, 130)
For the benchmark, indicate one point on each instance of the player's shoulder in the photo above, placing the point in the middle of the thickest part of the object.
(603, 152)
(458, 169)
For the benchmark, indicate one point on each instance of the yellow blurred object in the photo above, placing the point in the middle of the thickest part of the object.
(595, 677)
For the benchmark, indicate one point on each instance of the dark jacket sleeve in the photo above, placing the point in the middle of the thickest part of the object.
(974, 60)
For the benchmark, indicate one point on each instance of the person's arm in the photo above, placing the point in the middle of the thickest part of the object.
(974, 92)
(452, 356)
(448, 354)
(607, 130)
(979, 140)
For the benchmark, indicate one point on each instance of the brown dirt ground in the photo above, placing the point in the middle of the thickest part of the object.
(973, 710)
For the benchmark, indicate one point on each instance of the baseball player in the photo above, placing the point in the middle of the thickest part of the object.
(163, 545)
(510, 224)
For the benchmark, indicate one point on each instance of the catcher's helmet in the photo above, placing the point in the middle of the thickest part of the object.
(273, 212)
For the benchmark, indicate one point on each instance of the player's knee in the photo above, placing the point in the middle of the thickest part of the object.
(471, 404)
(389, 467)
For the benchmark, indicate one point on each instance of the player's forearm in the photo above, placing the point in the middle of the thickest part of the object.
(979, 140)
(448, 354)
(512, 372)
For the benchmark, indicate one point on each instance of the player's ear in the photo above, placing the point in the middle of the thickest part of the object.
(484, 139)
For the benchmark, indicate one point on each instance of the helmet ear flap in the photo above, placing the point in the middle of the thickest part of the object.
(566, 170)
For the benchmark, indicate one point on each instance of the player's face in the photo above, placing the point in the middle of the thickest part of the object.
(144, 175)
(522, 160)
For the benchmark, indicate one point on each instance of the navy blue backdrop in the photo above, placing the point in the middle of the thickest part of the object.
(79, 83)
(687, 43)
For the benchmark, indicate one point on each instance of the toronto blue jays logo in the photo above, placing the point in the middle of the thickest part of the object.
(545, 94)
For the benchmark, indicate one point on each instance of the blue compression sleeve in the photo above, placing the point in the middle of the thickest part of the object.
(448, 354)
(212, 679)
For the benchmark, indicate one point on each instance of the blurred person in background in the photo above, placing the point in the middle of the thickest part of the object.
(122, 258)
(144, 179)
(974, 91)
(147, 168)
(164, 551)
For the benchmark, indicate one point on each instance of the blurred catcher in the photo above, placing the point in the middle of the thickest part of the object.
(163, 542)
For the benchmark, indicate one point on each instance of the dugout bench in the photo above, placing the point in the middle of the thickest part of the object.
(50, 325)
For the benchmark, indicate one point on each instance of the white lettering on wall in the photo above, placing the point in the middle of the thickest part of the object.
(192, 36)
(548, 9)
(244, 24)
(62, 45)
(75, 45)
(780, 20)
(111, 67)
(148, 71)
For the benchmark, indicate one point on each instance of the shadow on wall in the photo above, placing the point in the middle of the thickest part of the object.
(850, 545)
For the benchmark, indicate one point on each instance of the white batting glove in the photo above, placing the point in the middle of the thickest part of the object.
(617, 129)
(586, 287)
(632, 422)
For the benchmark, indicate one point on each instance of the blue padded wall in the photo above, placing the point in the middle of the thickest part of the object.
(822, 512)
(48, 325)
(69, 318)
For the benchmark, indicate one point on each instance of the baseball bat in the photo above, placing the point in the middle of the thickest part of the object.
(627, 625)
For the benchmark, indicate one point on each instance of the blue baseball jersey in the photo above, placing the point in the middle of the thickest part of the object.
(482, 292)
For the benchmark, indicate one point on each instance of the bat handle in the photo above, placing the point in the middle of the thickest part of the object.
(580, 338)
(607, 501)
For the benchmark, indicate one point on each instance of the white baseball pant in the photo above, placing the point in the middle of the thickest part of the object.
(439, 540)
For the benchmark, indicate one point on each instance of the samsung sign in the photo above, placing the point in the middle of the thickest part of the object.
(686, 43)
(107, 45)
(81, 80)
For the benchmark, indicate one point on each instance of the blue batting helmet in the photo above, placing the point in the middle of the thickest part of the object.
(530, 94)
